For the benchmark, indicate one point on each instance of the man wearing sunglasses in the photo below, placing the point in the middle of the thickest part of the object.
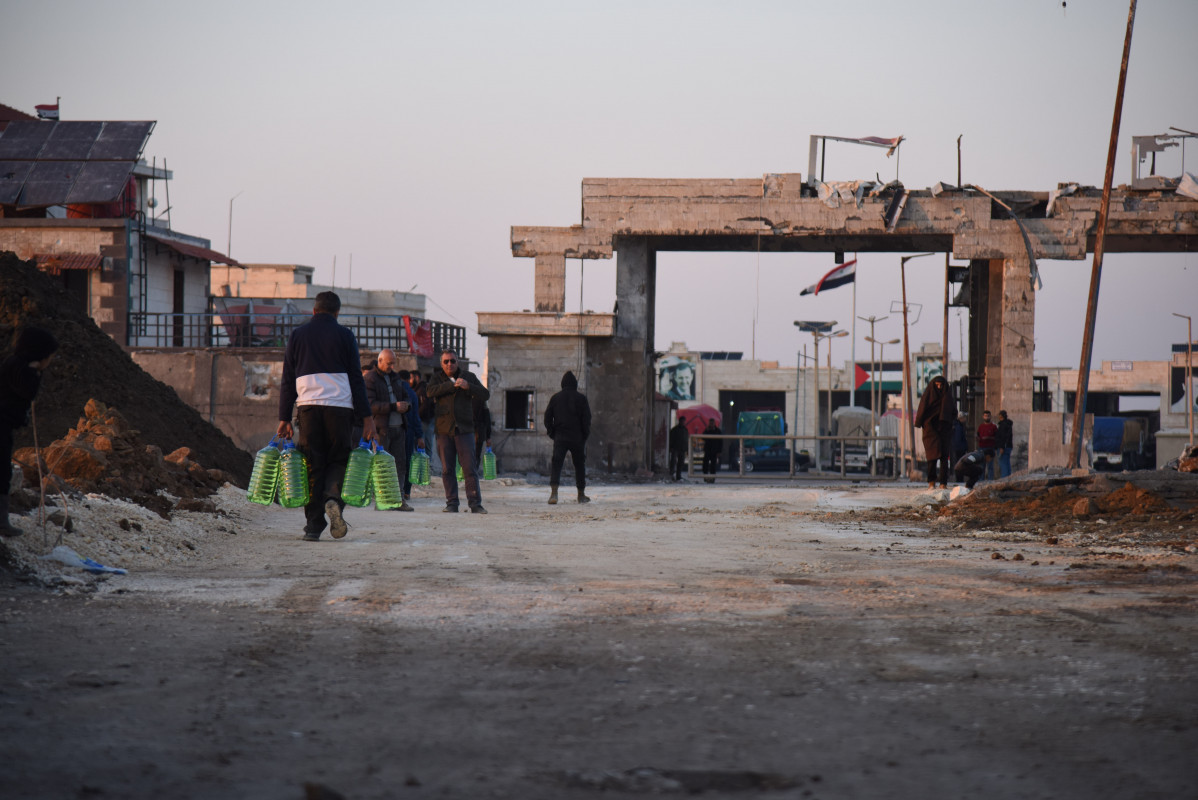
(454, 390)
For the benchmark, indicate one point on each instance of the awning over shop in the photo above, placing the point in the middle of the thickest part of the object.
(55, 263)
(195, 251)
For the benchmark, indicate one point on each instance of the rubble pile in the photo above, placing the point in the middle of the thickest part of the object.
(1157, 507)
(90, 365)
(103, 454)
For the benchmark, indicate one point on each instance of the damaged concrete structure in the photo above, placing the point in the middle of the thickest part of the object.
(999, 234)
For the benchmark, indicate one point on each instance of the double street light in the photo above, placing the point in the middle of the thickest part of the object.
(818, 331)
(875, 387)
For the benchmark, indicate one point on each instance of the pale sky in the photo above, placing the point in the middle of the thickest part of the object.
(413, 136)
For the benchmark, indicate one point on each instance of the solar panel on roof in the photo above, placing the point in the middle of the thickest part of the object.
(100, 182)
(121, 141)
(23, 140)
(52, 163)
(48, 183)
(12, 178)
(70, 141)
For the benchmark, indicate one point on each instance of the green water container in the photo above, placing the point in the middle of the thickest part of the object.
(384, 480)
(355, 489)
(489, 465)
(264, 480)
(293, 477)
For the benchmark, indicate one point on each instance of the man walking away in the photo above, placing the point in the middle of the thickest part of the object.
(453, 390)
(568, 423)
(1005, 440)
(20, 378)
(322, 376)
(389, 406)
(679, 445)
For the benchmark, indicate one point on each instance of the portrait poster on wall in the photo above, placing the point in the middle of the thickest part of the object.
(1177, 390)
(676, 377)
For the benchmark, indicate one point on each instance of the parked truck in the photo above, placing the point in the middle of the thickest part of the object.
(1118, 443)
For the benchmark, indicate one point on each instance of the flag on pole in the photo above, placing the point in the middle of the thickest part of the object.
(839, 276)
(48, 111)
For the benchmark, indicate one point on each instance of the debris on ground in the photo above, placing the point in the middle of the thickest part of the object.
(90, 365)
(103, 454)
(1153, 508)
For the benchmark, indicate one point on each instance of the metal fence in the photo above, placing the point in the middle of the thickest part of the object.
(846, 456)
(373, 332)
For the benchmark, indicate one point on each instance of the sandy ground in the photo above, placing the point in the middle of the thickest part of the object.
(735, 640)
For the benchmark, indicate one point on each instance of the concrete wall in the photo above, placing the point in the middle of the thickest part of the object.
(1048, 439)
(235, 389)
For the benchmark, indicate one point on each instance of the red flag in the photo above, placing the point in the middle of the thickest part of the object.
(420, 339)
(47, 111)
(862, 376)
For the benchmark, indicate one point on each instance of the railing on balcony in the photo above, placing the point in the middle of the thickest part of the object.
(373, 332)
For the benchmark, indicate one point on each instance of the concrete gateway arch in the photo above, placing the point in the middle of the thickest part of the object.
(1000, 234)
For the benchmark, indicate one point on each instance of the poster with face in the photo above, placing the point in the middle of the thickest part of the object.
(1177, 390)
(676, 378)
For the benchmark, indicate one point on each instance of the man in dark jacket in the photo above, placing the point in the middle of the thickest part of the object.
(389, 406)
(679, 445)
(971, 465)
(414, 428)
(937, 411)
(427, 411)
(568, 423)
(711, 451)
(960, 443)
(20, 378)
(323, 377)
(453, 390)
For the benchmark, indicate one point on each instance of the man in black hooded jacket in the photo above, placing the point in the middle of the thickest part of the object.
(568, 423)
(20, 378)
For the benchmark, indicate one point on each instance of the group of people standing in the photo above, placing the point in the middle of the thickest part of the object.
(945, 439)
(336, 399)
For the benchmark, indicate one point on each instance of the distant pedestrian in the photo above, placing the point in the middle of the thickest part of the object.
(428, 412)
(1005, 441)
(20, 379)
(988, 439)
(679, 445)
(711, 451)
(972, 465)
(414, 430)
(568, 423)
(937, 411)
(453, 390)
(323, 377)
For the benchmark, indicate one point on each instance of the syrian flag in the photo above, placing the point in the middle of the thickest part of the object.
(845, 273)
(49, 111)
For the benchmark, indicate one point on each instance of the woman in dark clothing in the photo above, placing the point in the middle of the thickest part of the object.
(936, 414)
(20, 378)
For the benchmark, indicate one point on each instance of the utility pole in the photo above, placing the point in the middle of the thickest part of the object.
(1083, 370)
(873, 381)
(1189, 392)
(909, 426)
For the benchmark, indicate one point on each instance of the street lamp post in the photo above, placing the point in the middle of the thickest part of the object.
(1189, 376)
(876, 388)
(909, 428)
(833, 335)
(815, 329)
(872, 379)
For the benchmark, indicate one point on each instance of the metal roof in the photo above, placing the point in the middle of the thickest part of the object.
(54, 263)
(194, 251)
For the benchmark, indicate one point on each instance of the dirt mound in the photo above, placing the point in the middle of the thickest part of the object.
(1155, 507)
(103, 454)
(90, 365)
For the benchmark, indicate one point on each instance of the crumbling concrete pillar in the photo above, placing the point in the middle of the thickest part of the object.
(1003, 329)
(550, 289)
(620, 369)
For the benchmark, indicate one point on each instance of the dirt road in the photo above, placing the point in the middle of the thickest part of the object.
(741, 641)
